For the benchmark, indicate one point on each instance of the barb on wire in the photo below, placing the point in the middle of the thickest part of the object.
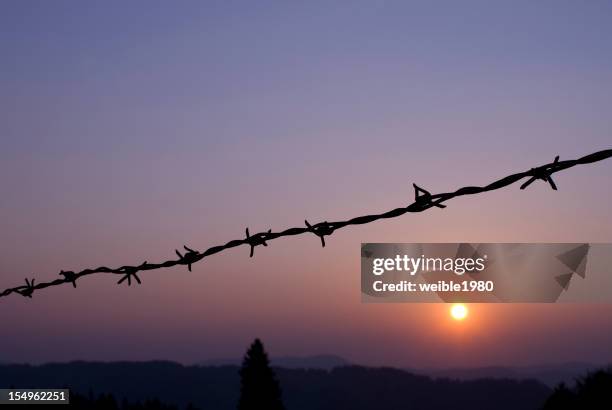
(257, 239)
(423, 200)
(29, 288)
(321, 229)
(69, 276)
(129, 272)
(423, 197)
(543, 173)
(189, 258)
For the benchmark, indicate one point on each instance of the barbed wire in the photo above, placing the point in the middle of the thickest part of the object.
(423, 200)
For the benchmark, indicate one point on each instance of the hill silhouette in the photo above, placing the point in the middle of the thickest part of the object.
(109, 402)
(354, 387)
(320, 361)
(549, 374)
(591, 392)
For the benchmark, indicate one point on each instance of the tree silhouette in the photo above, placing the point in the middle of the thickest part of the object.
(562, 398)
(108, 402)
(259, 389)
(591, 392)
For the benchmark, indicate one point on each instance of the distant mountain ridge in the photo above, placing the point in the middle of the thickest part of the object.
(322, 361)
(217, 387)
(549, 374)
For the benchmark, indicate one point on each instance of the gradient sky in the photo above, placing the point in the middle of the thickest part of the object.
(131, 128)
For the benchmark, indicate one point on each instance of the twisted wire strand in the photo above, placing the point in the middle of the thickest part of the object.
(423, 200)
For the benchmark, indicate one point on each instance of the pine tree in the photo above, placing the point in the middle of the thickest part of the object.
(562, 398)
(259, 388)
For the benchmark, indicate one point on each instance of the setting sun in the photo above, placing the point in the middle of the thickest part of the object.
(458, 311)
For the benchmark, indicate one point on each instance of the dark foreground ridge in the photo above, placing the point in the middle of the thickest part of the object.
(423, 200)
(348, 387)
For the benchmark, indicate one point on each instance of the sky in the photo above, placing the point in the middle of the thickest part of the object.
(130, 129)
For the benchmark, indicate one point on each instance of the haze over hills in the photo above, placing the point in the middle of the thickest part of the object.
(218, 387)
(322, 361)
(549, 374)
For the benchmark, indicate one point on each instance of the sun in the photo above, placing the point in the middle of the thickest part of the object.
(458, 311)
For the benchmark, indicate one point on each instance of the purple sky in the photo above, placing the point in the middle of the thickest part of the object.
(131, 128)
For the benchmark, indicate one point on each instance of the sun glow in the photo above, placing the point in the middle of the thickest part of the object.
(458, 311)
